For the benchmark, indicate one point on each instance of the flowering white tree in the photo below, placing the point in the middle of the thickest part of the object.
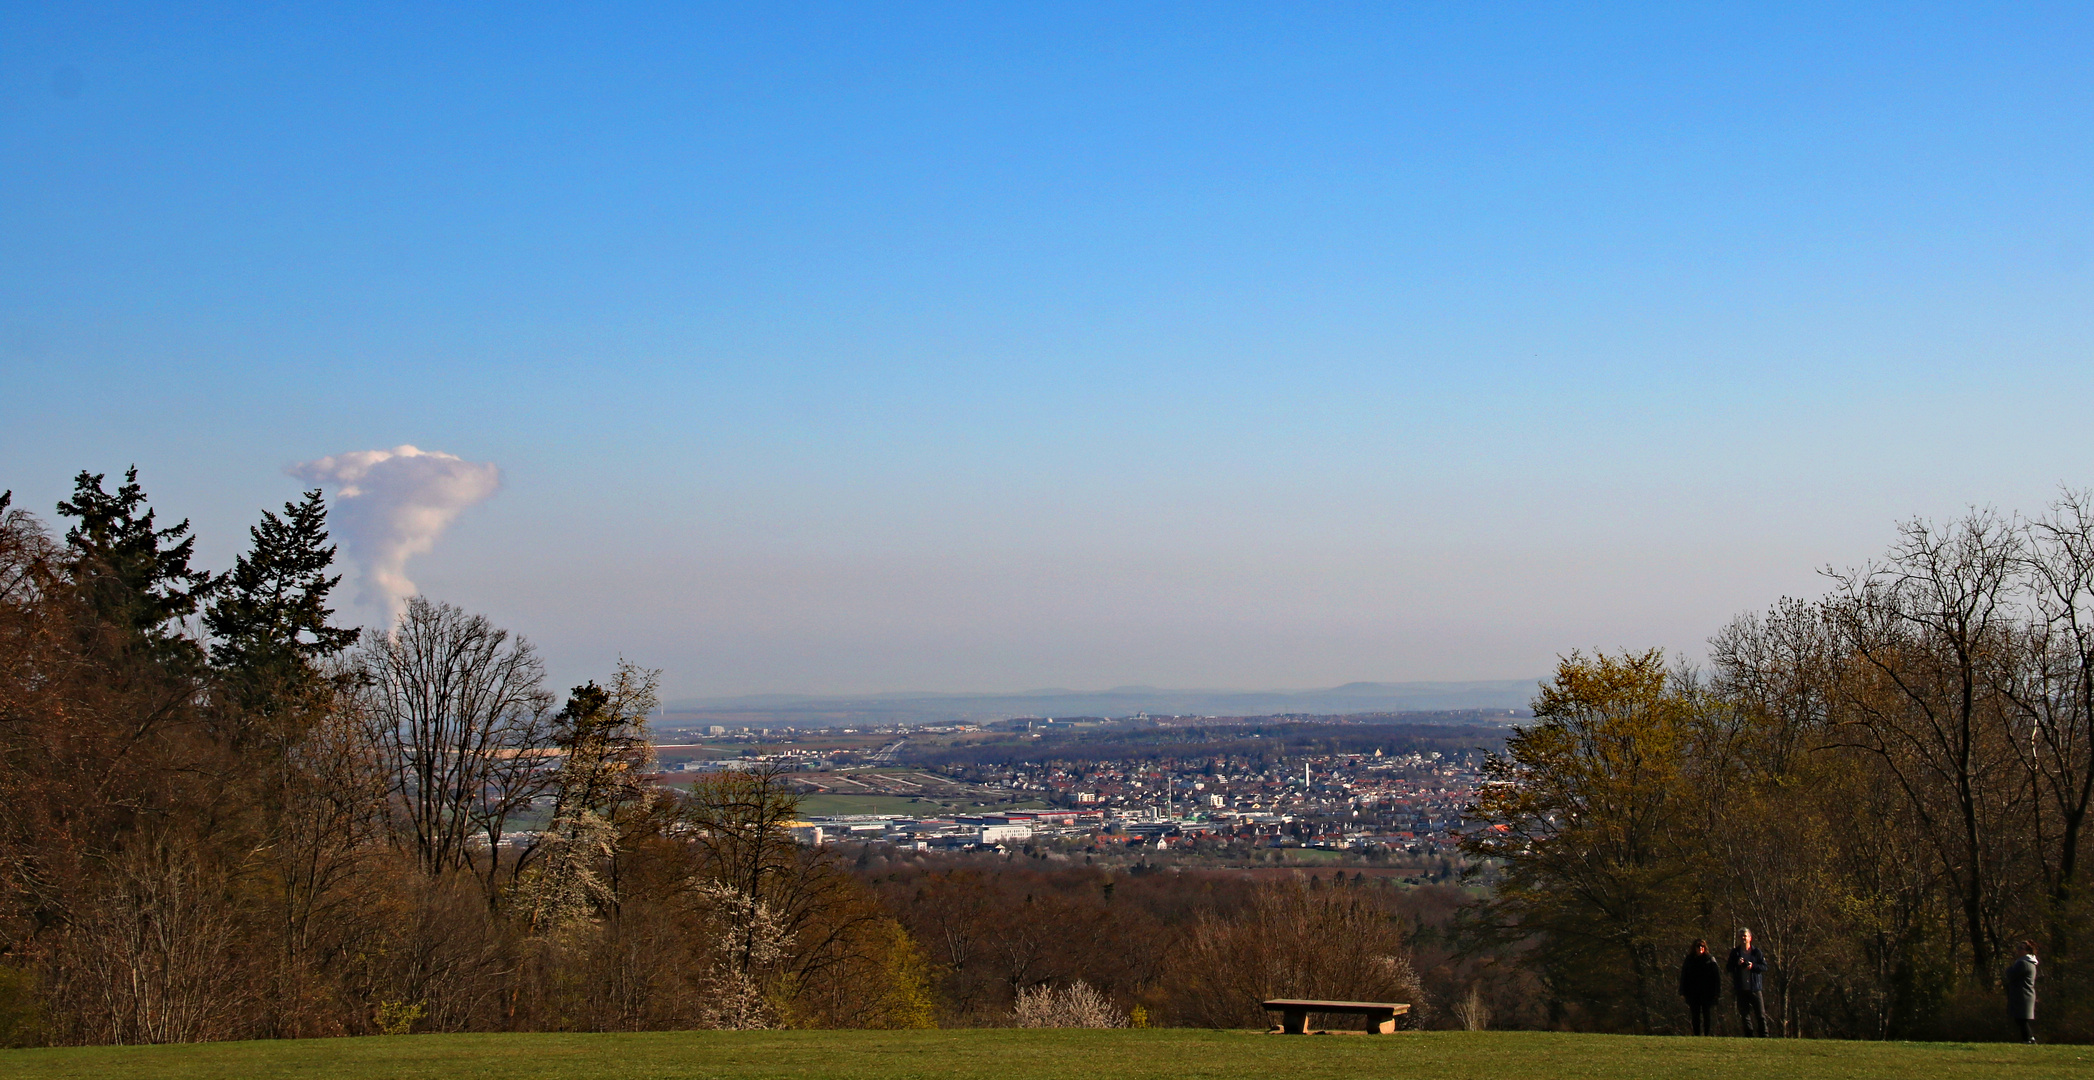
(1077, 1005)
(753, 943)
(603, 735)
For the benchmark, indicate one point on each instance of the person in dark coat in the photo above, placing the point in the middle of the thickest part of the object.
(1701, 983)
(2020, 982)
(1748, 969)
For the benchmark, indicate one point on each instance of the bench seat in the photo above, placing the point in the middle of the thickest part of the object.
(1294, 1013)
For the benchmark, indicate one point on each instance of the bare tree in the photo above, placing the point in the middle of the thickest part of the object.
(739, 821)
(153, 946)
(1472, 1012)
(2055, 696)
(1931, 631)
(331, 818)
(1292, 942)
(1779, 670)
(458, 714)
(736, 821)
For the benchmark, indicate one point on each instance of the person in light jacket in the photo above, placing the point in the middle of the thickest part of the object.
(2020, 981)
(1701, 983)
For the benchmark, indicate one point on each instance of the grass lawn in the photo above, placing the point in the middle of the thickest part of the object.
(820, 805)
(1050, 1055)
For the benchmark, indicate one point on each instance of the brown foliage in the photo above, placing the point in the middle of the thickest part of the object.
(1291, 941)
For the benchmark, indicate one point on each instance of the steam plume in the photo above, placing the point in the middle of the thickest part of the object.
(390, 505)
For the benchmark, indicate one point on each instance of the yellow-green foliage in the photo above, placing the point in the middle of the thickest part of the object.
(397, 1017)
(1596, 825)
(909, 1002)
(21, 1013)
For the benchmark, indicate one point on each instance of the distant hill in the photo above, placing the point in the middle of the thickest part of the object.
(920, 707)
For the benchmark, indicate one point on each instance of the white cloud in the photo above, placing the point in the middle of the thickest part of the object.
(391, 505)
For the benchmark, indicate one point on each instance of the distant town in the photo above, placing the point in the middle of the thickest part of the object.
(1380, 791)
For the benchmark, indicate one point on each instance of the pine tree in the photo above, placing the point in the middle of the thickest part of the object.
(268, 617)
(133, 576)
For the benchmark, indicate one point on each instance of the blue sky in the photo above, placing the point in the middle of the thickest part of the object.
(865, 347)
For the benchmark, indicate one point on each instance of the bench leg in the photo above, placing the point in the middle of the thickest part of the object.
(1382, 1024)
(1294, 1022)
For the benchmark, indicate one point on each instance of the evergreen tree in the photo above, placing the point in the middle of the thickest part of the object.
(132, 575)
(269, 616)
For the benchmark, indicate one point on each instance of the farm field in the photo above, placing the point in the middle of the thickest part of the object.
(1047, 1055)
(820, 805)
(900, 791)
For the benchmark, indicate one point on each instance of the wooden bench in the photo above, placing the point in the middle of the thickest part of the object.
(1294, 1015)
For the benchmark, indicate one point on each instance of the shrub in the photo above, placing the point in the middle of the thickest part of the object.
(1076, 1005)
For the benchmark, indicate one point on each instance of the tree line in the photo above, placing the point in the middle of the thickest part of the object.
(224, 816)
(1890, 786)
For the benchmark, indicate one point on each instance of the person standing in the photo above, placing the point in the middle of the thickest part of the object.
(1748, 969)
(2020, 981)
(1701, 983)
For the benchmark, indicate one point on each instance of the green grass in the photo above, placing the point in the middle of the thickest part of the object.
(1316, 856)
(1049, 1055)
(825, 805)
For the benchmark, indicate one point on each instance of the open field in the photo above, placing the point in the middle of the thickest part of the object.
(1048, 1055)
(899, 791)
(817, 805)
(904, 782)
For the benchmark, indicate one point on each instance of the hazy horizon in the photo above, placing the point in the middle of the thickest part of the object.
(1066, 691)
(830, 349)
